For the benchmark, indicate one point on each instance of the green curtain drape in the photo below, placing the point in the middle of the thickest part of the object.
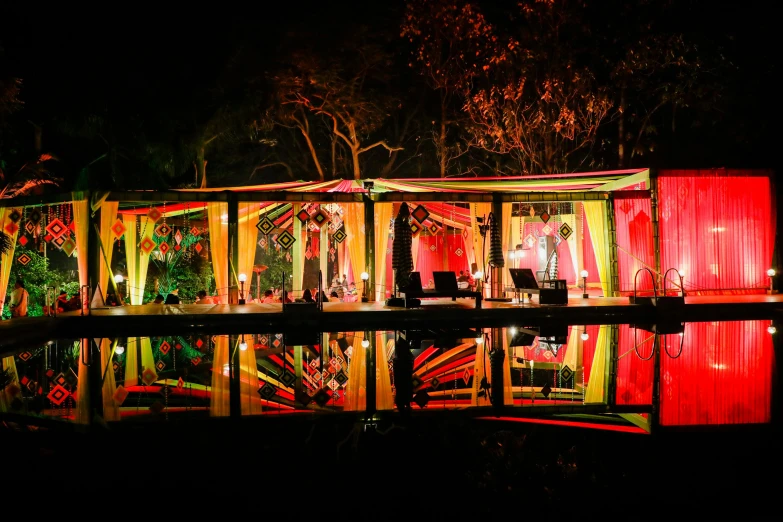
(595, 212)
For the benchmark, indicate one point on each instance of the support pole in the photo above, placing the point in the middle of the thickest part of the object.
(403, 372)
(94, 255)
(614, 273)
(656, 238)
(497, 356)
(655, 416)
(233, 245)
(369, 245)
(496, 275)
(234, 397)
(611, 366)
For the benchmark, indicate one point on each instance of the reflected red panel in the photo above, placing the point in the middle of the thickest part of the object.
(723, 376)
(634, 374)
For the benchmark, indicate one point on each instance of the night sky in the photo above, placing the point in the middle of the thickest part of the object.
(152, 60)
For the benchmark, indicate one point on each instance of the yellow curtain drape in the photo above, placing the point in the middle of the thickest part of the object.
(479, 371)
(136, 260)
(9, 364)
(506, 233)
(570, 358)
(297, 251)
(108, 218)
(132, 370)
(7, 259)
(219, 405)
(83, 413)
(111, 410)
(384, 399)
(508, 389)
(594, 213)
(573, 245)
(356, 388)
(81, 220)
(248, 374)
(248, 235)
(383, 215)
(596, 382)
(218, 247)
(248, 379)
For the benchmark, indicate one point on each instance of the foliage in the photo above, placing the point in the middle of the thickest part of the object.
(5, 242)
(277, 265)
(344, 91)
(37, 276)
(184, 270)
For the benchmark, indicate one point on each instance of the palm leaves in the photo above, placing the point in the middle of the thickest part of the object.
(31, 175)
(5, 243)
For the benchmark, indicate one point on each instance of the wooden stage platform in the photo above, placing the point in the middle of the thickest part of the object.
(153, 320)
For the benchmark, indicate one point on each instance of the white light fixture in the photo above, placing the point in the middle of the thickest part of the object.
(771, 272)
(480, 340)
(365, 277)
(584, 273)
(120, 279)
(681, 272)
(242, 346)
(531, 363)
(771, 329)
(365, 343)
(119, 350)
(513, 330)
(585, 336)
(478, 275)
(511, 255)
(242, 278)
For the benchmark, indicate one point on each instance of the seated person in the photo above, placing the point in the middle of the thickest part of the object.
(463, 277)
(269, 297)
(158, 299)
(173, 297)
(203, 298)
(62, 302)
(111, 299)
(307, 296)
(334, 298)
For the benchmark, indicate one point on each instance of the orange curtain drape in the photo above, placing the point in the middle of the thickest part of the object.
(7, 259)
(383, 215)
(217, 217)
(354, 228)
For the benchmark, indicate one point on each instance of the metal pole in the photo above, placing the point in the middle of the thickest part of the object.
(654, 212)
(371, 385)
(233, 241)
(369, 246)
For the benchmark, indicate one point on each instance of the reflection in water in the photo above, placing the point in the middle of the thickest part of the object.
(713, 373)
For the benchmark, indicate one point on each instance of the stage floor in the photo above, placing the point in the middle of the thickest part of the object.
(154, 319)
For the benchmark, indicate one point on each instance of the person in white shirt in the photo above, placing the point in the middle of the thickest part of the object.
(19, 298)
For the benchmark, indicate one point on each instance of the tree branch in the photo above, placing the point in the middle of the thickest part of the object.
(382, 143)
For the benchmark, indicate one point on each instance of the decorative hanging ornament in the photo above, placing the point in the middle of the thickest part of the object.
(118, 228)
(163, 230)
(154, 214)
(265, 226)
(339, 235)
(420, 214)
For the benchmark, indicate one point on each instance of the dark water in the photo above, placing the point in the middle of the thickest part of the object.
(710, 453)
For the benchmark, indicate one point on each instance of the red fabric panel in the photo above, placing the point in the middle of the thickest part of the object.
(635, 376)
(529, 259)
(456, 262)
(635, 243)
(719, 227)
(429, 261)
(724, 375)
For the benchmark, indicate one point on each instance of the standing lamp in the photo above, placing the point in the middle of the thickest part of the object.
(118, 280)
(365, 276)
(242, 279)
(583, 274)
(771, 273)
(478, 278)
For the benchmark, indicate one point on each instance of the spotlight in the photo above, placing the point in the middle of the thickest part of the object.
(119, 350)
(365, 343)
(585, 336)
(242, 346)
(772, 330)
